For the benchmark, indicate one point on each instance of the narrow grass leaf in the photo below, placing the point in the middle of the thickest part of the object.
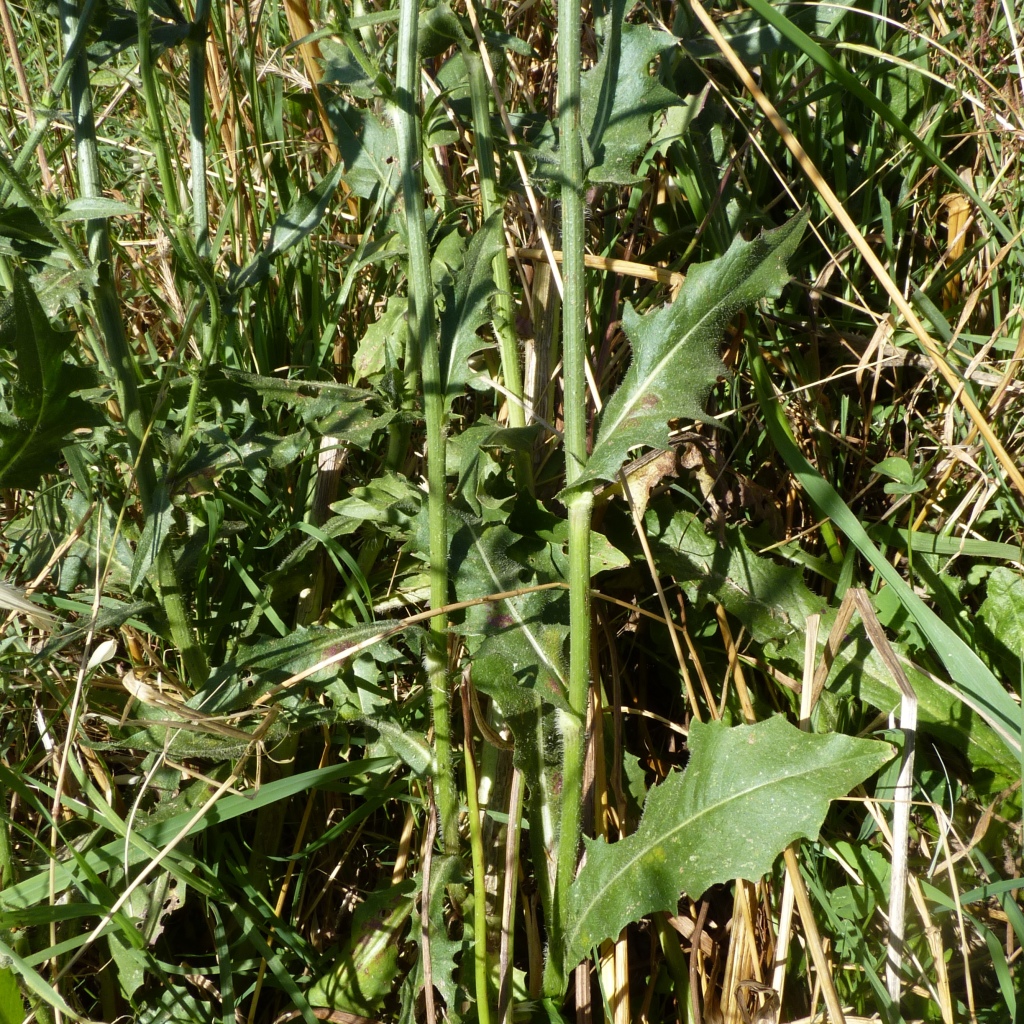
(34, 982)
(853, 86)
(34, 890)
(979, 686)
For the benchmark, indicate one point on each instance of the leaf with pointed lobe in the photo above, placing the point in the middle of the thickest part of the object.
(675, 348)
(746, 794)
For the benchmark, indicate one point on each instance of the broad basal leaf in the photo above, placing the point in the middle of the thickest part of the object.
(747, 793)
(620, 97)
(769, 598)
(1002, 611)
(41, 410)
(365, 969)
(675, 359)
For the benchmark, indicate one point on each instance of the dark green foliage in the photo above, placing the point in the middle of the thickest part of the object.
(213, 438)
(43, 407)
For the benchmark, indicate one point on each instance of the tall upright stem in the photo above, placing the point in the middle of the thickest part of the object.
(154, 113)
(197, 127)
(579, 504)
(425, 353)
(117, 353)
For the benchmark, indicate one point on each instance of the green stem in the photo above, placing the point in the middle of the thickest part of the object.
(476, 843)
(200, 213)
(581, 504)
(47, 105)
(118, 353)
(425, 356)
(158, 138)
(197, 128)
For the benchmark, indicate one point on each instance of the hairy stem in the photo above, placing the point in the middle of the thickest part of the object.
(580, 505)
(154, 110)
(425, 356)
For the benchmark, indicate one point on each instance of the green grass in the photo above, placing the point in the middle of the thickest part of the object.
(267, 456)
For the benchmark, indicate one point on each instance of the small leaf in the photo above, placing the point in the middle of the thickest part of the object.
(384, 342)
(304, 214)
(217, 453)
(349, 414)
(289, 229)
(438, 30)
(368, 147)
(95, 208)
(59, 288)
(526, 631)
(620, 97)
(746, 794)
(342, 70)
(407, 744)
(466, 296)
(896, 468)
(675, 360)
